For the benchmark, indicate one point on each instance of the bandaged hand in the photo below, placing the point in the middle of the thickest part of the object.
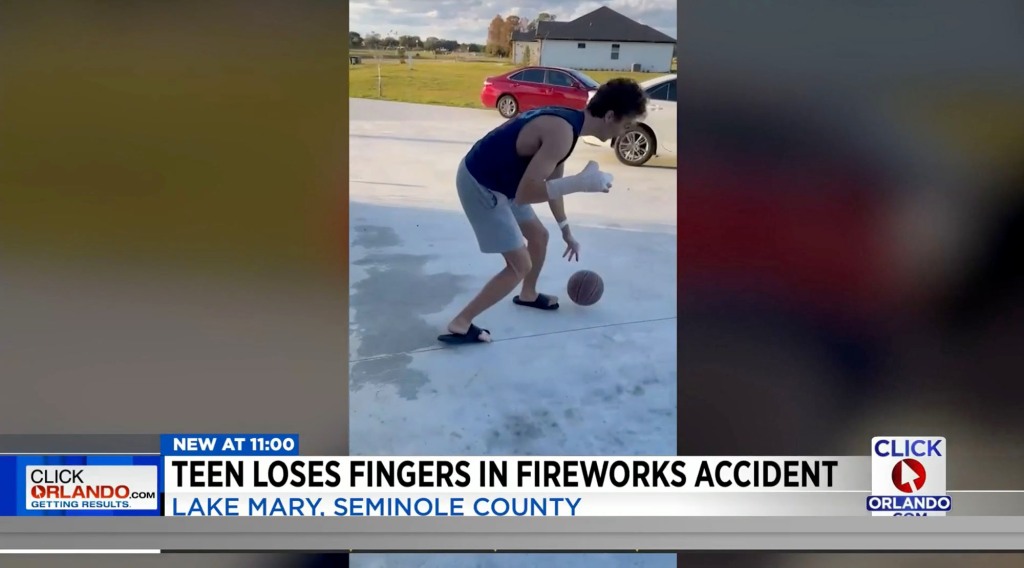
(590, 180)
(593, 180)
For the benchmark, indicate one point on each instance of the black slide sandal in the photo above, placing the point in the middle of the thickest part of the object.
(472, 335)
(543, 302)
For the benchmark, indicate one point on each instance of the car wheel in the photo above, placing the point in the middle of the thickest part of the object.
(508, 106)
(635, 146)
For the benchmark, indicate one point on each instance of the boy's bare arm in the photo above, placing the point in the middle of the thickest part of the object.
(555, 143)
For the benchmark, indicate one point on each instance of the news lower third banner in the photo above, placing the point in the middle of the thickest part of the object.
(265, 475)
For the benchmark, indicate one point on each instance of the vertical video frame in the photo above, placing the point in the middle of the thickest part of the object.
(512, 224)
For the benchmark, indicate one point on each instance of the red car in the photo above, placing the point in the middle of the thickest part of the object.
(534, 87)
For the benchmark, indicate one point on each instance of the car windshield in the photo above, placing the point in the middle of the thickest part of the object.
(586, 80)
(657, 81)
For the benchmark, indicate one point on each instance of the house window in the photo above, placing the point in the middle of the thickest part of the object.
(581, 46)
(615, 51)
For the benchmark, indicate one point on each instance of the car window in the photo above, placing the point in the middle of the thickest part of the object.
(586, 80)
(559, 79)
(658, 93)
(516, 76)
(531, 76)
(671, 95)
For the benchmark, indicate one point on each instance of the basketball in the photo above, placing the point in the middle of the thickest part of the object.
(585, 288)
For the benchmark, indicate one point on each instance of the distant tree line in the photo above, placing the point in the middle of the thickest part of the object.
(374, 40)
(499, 38)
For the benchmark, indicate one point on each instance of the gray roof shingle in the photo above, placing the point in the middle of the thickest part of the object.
(603, 24)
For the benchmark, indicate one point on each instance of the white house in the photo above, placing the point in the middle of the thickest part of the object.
(603, 40)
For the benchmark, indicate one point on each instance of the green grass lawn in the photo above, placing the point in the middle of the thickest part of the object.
(430, 81)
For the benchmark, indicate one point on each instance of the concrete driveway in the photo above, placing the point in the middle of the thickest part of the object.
(597, 380)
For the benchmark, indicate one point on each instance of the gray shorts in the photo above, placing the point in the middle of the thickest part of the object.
(494, 217)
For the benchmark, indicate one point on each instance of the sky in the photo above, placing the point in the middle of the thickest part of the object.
(466, 20)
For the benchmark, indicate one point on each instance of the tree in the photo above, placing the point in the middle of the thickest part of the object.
(499, 35)
(511, 25)
(448, 45)
(436, 44)
(495, 31)
(409, 42)
(372, 40)
(355, 40)
(542, 17)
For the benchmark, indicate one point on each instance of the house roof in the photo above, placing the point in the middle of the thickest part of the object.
(603, 24)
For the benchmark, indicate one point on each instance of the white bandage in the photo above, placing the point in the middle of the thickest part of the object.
(590, 180)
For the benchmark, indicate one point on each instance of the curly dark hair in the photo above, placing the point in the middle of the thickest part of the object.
(622, 96)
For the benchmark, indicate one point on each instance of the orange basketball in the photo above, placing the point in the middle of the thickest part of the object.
(585, 287)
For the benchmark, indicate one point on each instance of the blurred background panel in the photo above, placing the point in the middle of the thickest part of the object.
(851, 199)
(173, 215)
(850, 189)
(204, 135)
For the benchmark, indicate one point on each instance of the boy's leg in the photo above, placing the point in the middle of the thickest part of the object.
(537, 238)
(517, 264)
(494, 224)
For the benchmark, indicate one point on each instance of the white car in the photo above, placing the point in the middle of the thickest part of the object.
(655, 135)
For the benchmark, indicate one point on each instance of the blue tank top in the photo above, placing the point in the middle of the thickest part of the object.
(493, 160)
